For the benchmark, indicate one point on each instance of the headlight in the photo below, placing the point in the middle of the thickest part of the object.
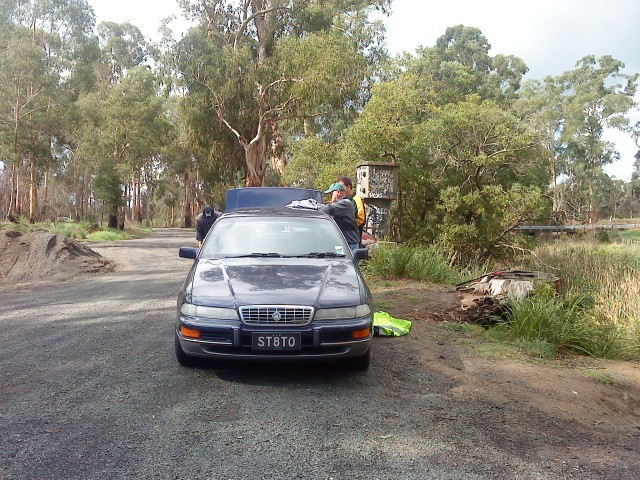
(208, 312)
(344, 312)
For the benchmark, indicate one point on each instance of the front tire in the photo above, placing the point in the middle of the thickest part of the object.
(361, 363)
(184, 359)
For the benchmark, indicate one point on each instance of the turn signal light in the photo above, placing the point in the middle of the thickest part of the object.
(189, 332)
(364, 333)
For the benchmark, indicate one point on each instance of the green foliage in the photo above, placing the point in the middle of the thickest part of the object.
(107, 185)
(73, 230)
(109, 235)
(599, 312)
(294, 72)
(425, 263)
(390, 262)
(313, 164)
(599, 376)
(463, 328)
(485, 178)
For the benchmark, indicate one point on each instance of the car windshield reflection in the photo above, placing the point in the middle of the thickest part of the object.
(242, 237)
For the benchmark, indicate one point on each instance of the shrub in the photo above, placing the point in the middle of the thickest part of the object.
(424, 263)
(107, 236)
(570, 322)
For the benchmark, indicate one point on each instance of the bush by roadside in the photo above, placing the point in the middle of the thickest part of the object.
(78, 230)
(597, 312)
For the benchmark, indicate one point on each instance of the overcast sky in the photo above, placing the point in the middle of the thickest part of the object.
(549, 35)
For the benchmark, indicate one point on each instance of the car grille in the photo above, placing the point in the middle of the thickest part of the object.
(276, 315)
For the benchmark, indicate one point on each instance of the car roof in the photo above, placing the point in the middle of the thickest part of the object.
(275, 212)
(264, 197)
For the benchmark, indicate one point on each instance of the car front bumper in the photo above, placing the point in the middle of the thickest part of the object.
(233, 339)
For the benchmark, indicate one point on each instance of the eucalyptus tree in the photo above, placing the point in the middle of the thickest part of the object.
(541, 104)
(132, 135)
(123, 47)
(259, 63)
(459, 64)
(471, 169)
(41, 42)
(598, 95)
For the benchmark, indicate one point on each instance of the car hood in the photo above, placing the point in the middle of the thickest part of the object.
(321, 283)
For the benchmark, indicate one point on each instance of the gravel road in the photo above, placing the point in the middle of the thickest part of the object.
(91, 390)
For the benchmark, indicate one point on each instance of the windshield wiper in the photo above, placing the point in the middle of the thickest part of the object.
(322, 255)
(256, 255)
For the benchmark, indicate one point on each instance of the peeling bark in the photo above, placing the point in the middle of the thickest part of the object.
(278, 158)
(254, 154)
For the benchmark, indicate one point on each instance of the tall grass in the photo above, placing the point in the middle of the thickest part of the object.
(598, 311)
(421, 262)
(73, 230)
(108, 235)
(424, 263)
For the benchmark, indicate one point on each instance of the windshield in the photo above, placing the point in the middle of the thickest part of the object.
(274, 237)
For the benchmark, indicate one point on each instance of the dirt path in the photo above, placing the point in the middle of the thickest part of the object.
(90, 390)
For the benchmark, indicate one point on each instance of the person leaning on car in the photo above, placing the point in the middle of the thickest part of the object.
(358, 204)
(204, 221)
(342, 211)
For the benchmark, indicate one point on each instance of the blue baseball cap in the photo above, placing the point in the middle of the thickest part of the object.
(334, 187)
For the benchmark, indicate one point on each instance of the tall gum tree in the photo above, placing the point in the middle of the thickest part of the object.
(597, 95)
(271, 61)
(57, 32)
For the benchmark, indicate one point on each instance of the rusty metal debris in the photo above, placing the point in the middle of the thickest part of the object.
(482, 299)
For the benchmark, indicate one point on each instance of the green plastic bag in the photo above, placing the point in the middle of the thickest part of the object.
(388, 326)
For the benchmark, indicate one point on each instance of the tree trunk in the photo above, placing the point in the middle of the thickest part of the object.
(554, 191)
(33, 190)
(138, 205)
(265, 26)
(254, 155)
(13, 211)
(121, 216)
(147, 207)
(278, 158)
(188, 199)
(591, 217)
(45, 210)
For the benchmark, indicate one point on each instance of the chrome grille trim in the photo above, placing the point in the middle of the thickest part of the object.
(285, 315)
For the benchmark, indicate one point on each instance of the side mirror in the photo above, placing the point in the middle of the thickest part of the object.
(188, 252)
(361, 254)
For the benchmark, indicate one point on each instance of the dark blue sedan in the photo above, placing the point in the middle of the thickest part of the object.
(274, 283)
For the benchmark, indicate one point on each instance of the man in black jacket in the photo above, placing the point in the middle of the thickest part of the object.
(342, 211)
(204, 222)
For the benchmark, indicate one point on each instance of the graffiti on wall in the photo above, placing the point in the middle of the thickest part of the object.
(377, 220)
(382, 183)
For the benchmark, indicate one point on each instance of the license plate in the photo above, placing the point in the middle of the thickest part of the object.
(276, 341)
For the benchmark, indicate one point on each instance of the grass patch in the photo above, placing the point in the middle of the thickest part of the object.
(498, 351)
(537, 348)
(383, 306)
(78, 230)
(599, 376)
(629, 234)
(108, 236)
(598, 310)
(423, 263)
(463, 328)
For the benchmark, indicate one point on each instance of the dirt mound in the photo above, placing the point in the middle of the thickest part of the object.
(43, 256)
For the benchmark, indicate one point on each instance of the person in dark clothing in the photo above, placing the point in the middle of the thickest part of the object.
(358, 204)
(342, 211)
(204, 222)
